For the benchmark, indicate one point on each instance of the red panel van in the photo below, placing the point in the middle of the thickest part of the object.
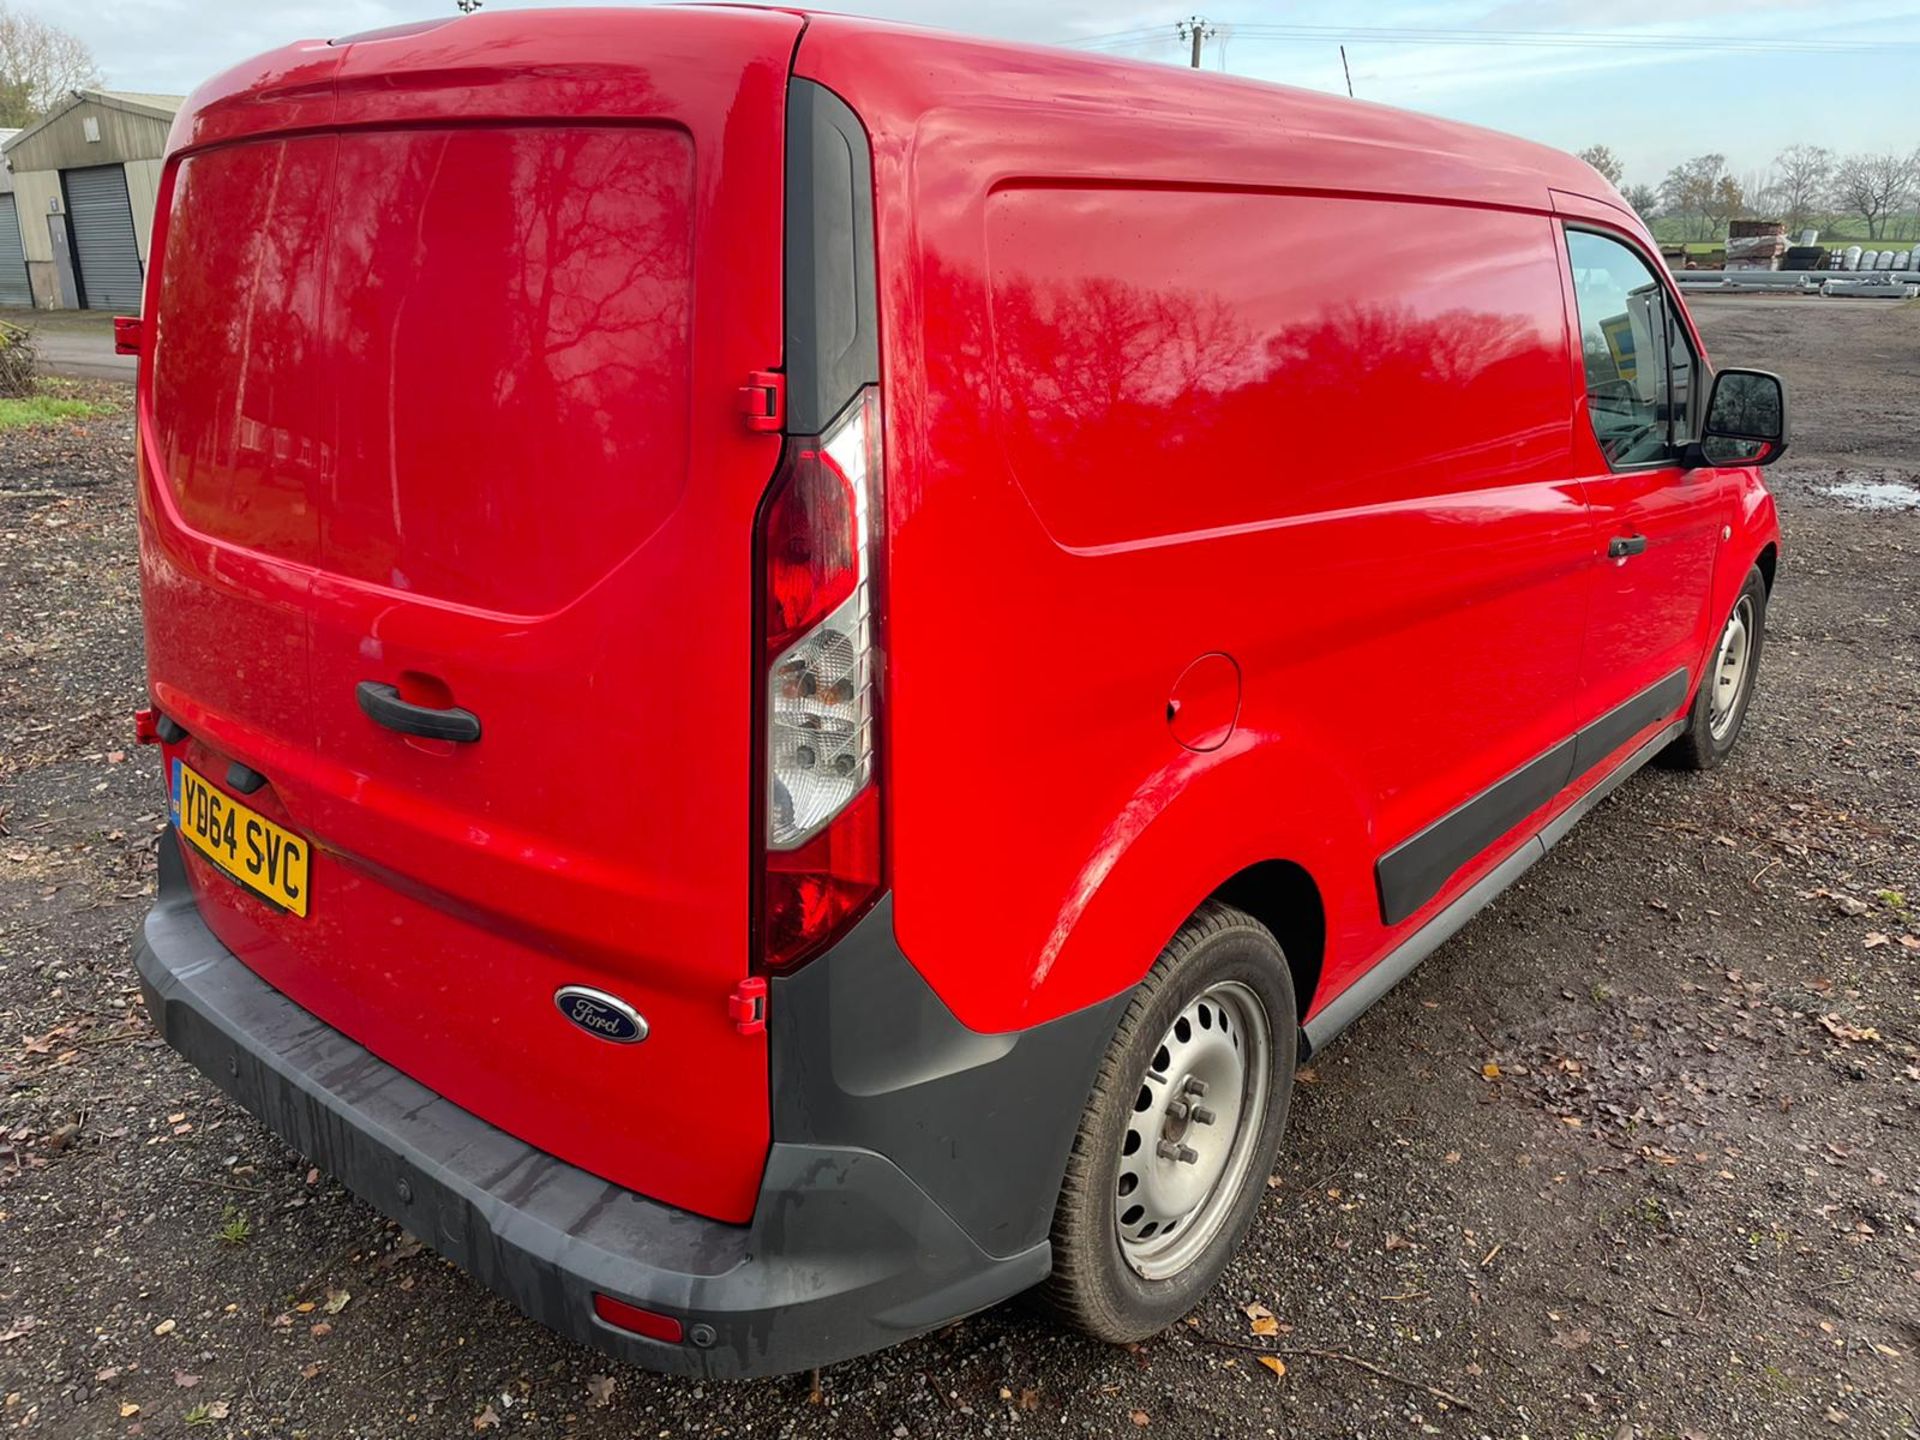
(797, 660)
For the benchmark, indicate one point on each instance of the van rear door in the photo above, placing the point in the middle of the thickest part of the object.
(450, 380)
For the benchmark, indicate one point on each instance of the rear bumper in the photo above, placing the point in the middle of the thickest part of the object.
(845, 1253)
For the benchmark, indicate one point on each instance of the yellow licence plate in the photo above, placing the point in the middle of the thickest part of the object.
(266, 859)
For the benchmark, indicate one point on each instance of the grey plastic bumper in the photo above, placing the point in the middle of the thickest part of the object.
(844, 1255)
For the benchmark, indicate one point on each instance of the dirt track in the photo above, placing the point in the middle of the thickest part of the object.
(1685, 1203)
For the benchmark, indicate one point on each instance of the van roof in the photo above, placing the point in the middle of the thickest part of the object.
(1269, 130)
(1226, 129)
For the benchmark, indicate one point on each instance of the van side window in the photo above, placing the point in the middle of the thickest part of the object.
(1631, 345)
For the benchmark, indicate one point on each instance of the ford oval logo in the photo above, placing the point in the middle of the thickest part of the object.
(601, 1014)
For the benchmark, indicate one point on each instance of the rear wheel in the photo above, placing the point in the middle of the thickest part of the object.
(1179, 1136)
(1726, 687)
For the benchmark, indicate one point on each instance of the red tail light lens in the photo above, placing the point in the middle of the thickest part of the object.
(821, 834)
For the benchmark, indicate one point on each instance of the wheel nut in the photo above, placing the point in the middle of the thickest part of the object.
(1177, 1109)
(1185, 1154)
(1203, 1116)
(1195, 1087)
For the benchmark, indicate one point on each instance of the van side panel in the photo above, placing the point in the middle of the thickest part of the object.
(1237, 404)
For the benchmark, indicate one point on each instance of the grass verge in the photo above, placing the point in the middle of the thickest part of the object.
(31, 411)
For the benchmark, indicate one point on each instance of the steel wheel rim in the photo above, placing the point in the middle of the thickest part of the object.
(1179, 1171)
(1730, 669)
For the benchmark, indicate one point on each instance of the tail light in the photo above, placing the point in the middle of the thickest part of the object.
(820, 841)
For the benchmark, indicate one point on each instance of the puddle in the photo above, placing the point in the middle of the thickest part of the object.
(1875, 494)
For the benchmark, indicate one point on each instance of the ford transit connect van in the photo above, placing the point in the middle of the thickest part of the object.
(797, 661)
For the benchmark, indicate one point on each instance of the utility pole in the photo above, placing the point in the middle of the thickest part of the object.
(1347, 71)
(1196, 29)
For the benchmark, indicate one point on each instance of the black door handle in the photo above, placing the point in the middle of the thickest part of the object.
(383, 705)
(1621, 546)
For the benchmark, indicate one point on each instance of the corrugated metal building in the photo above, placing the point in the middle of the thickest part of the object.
(13, 256)
(85, 177)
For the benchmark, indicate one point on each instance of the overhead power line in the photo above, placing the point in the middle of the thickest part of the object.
(1574, 39)
(1560, 39)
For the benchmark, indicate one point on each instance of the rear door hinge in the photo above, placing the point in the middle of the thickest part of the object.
(747, 1006)
(128, 334)
(763, 400)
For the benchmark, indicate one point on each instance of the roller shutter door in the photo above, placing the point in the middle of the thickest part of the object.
(14, 289)
(105, 252)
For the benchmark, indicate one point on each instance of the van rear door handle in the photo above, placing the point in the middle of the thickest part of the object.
(1621, 546)
(382, 704)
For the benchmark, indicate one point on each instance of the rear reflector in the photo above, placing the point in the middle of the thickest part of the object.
(623, 1316)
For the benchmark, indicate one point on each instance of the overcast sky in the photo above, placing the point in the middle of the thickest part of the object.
(1839, 73)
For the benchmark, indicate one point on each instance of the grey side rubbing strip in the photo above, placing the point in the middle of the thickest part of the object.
(1612, 730)
(1394, 966)
(832, 324)
(1416, 870)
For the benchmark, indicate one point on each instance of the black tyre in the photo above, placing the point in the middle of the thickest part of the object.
(1726, 686)
(1172, 1156)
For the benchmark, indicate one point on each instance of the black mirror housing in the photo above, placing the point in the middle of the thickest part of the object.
(1746, 420)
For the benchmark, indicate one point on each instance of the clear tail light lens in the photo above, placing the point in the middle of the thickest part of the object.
(822, 813)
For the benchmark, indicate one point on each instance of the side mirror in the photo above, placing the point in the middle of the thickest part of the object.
(1746, 421)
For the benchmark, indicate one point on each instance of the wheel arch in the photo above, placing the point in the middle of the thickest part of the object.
(1283, 896)
(1768, 563)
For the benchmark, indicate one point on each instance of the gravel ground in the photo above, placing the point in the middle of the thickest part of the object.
(1636, 1155)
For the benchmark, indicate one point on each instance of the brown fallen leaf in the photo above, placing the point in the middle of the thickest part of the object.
(184, 1380)
(600, 1389)
(487, 1419)
(217, 1409)
(337, 1301)
(128, 1410)
(1275, 1364)
(18, 1329)
(1140, 1419)
(1490, 1071)
(1260, 1320)
(320, 1329)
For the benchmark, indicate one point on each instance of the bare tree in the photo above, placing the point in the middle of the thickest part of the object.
(39, 65)
(1799, 185)
(1606, 162)
(1875, 187)
(1703, 191)
(1645, 201)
